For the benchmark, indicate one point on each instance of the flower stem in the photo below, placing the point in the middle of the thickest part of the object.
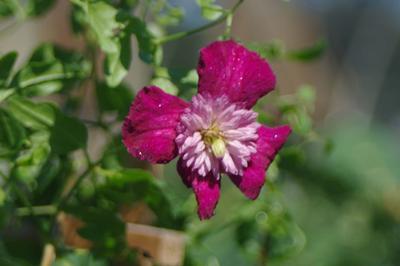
(36, 210)
(180, 35)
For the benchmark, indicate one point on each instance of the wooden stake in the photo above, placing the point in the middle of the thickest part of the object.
(49, 255)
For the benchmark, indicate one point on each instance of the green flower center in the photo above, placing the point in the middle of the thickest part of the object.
(214, 139)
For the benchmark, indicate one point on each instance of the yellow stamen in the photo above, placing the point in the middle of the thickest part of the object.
(218, 148)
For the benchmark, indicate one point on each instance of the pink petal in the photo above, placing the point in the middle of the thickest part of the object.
(149, 130)
(269, 142)
(225, 67)
(206, 189)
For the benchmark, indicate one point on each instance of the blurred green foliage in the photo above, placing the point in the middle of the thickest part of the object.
(331, 197)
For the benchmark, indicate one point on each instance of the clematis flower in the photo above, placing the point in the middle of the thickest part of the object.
(217, 132)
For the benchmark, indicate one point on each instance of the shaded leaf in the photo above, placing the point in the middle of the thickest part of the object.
(5, 9)
(12, 134)
(7, 62)
(114, 99)
(39, 7)
(147, 48)
(132, 185)
(67, 134)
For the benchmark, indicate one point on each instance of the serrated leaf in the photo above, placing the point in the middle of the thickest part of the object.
(67, 134)
(37, 116)
(7, 62)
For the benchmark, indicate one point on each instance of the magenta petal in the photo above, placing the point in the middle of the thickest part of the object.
(149, 130)
(269, 142)
(225, 67)
(206, 189)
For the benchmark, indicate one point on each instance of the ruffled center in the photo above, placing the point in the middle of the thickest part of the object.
(215, 135)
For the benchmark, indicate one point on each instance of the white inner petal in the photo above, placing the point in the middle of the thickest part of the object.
(217, 136)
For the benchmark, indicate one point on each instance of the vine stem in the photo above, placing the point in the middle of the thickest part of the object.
(180, 35)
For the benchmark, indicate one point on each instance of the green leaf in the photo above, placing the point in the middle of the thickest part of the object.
(79, 258)
(309, 54)
(67, 134)
(273, 50)
(306, 95)
(172, 16)
(4, 94)
(147, 48)
(39, 7)
(102, 20)
(32, 115)
(209, 10)
(12, 134)
(6, 9)
(117, 63)
(165, 84)
(6, 65)
(132, 185)
(30, 161)
(285, 239)
(111, 37)
(116, 99)
(49, 70)
(300, 121)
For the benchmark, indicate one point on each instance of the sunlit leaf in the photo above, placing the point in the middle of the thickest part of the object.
(49, 70)
(210, 10)
(117, 63)
(32, 115)
(29, 162)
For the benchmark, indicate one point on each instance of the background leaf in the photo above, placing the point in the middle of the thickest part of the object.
(7, 62)
(12, 134)
(50, 69)
(67, 134)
